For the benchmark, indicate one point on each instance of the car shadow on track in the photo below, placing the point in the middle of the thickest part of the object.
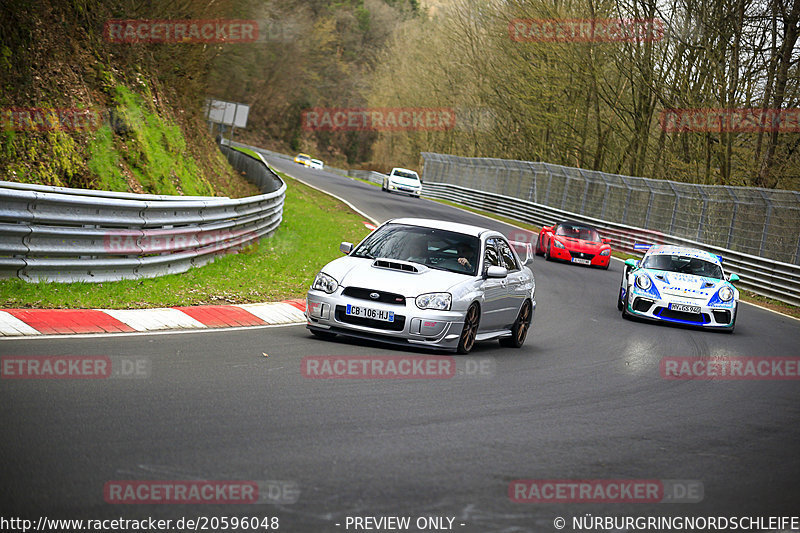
(483, 348)
(677, 325)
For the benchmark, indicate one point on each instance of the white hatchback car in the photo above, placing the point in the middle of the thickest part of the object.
(426, 283)
(403, 180)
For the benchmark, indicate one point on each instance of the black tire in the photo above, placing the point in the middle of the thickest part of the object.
(547, 256)
(327, 335)
(520, 328)
(538, 250)
(625, 314)
(620, 303)
(471, 321)
(735, 316)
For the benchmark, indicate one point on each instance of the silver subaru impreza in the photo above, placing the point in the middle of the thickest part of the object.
(426, 283)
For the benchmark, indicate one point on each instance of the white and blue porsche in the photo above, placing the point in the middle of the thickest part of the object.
(680, 285)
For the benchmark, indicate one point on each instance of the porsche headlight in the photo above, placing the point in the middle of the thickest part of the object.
(434, 300)
(558, 244)
(643, 282)
(726, 294)
(605, 252)
(325, 283)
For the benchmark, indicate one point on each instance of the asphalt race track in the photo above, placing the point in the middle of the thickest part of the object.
(582, 400)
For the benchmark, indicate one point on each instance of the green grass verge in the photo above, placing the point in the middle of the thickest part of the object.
(364, 181)
(247, 151)
(280, 267)
(745, 296)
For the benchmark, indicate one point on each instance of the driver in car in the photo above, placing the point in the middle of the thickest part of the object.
(465, 255)
(418, 250)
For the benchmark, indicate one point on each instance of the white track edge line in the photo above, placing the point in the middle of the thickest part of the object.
(348, 204)
(144, 333)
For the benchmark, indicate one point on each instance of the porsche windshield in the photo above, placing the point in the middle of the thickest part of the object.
(684, 265)
(434, 248)
(578, 232)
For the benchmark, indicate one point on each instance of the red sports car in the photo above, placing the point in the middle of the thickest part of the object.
(574, 242)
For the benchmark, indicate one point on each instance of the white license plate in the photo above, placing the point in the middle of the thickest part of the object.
(685, 308)
(366, 312)
(581, 261)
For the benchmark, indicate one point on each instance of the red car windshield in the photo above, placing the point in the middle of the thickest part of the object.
(578, 232)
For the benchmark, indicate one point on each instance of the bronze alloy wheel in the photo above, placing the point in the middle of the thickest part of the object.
(520, 329)
(470, 331)
(523, 322)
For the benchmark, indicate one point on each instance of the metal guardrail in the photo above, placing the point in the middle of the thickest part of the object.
(759, 222)
(766, 277)
(368, 175)
(101, 194)
(76, 235)
(263, 151)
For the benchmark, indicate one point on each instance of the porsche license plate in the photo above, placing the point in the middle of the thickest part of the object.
(581, 261)
(366, 312)
(685, 308)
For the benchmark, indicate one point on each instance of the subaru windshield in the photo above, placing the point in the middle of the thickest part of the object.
(435, 248)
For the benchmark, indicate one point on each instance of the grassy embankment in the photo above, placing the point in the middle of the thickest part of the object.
(131, 147)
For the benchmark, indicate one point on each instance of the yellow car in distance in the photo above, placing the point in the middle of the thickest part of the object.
(302, 159)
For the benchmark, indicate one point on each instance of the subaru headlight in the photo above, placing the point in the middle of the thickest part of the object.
(434, 300)
(605, 252)
(643, 282)
(726, 294)
(558, 244)
(325, 283)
